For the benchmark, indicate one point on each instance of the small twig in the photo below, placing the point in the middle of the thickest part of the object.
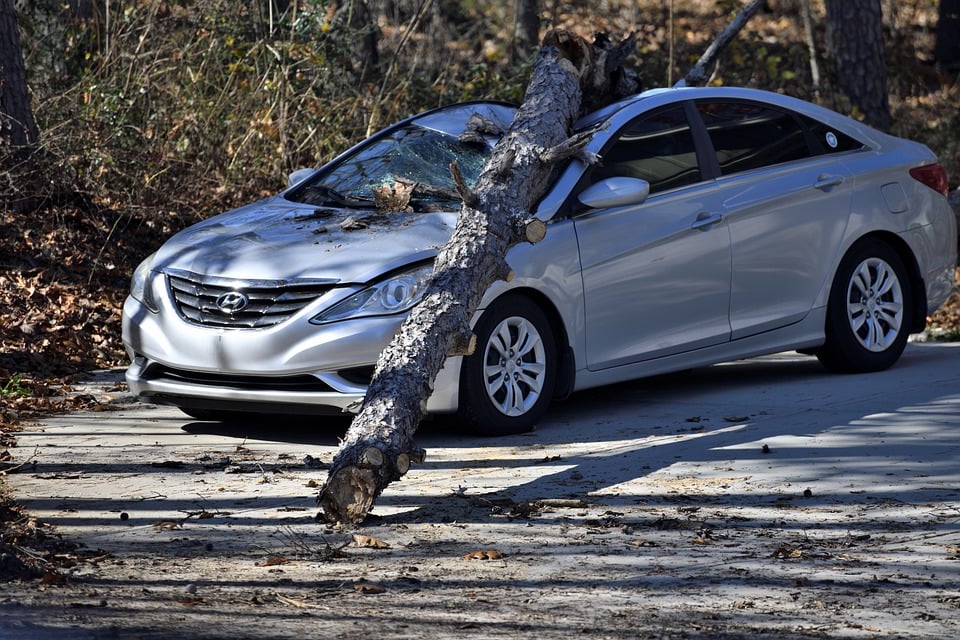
(31, 461)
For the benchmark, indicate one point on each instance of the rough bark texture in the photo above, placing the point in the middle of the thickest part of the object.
(698, 74)
(526, 32)
(17, 126)
(378, 447)
(947, 48)
(855, 39)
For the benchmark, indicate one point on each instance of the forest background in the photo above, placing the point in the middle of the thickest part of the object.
(154, 115)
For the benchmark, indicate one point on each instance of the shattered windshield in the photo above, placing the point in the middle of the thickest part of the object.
(413, 159)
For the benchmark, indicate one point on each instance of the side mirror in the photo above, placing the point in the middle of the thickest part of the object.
(615, 192)
(299, 176)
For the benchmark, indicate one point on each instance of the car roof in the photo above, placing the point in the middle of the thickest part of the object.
(659, 96)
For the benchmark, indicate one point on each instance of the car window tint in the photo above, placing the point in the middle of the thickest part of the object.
(657, 147)
(826, 139)
(749, 136)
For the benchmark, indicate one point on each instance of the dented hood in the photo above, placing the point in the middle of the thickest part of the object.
(276, 239)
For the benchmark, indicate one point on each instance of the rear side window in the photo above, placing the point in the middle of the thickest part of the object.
(829, 140)
(657, 147)
(749, 136)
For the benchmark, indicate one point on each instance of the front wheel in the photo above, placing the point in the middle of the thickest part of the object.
(507, 383)
(869, 311)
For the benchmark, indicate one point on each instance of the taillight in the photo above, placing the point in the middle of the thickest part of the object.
(932, 175)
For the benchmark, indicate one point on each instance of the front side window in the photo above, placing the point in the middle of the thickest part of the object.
(657, 147)
(749, 136)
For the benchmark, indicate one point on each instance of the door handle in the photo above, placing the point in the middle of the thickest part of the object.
(705, 220)
(826, 182)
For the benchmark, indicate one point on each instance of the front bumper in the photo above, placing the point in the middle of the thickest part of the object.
(294, 367)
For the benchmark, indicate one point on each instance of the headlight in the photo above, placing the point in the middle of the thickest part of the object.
(141, 284)
(396, 294)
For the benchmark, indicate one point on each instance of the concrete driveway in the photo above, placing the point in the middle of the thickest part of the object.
(764, 498)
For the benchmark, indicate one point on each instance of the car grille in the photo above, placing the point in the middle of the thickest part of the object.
(295, 383)
(266, 302)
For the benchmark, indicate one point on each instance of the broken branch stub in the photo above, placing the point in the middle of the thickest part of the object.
(698, 74)
(494, 216)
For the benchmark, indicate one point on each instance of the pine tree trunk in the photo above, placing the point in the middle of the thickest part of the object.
(378, 447)
(855, 39)
(526, 32)
(17, 126)
(947, 48)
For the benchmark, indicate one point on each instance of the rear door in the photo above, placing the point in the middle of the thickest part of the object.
(785, 196)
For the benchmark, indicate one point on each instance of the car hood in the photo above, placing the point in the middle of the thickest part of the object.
(276, 239)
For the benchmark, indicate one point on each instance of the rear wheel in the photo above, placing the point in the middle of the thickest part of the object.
(869, 311)
(506, 385)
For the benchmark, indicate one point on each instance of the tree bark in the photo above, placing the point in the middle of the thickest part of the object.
(526, 32)
(17, 126)
(855, 40)
(947, 48)
(378, 448)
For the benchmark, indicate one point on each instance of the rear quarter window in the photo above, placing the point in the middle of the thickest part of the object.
(826, 139)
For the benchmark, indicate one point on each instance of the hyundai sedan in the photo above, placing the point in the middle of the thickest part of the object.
(721, 224)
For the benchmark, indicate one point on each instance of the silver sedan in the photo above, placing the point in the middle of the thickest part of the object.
(722, 223)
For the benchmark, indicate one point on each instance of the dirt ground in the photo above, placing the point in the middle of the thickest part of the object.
(763, 499)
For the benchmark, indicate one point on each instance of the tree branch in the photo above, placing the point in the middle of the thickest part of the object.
(698, 75)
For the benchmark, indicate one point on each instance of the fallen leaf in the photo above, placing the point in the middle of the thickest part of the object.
(368, 588)
(783, 552)
(643, 543)
(366, 542)
(484, 554)
(352, 224)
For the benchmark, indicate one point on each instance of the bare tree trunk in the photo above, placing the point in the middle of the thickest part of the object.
(805, 14)
(947, 48)
(526, 32)
(17, 126)
(378, 447)
(855, 39)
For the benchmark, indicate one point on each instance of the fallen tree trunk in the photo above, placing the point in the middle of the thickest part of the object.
(570, 77)
(378, 448)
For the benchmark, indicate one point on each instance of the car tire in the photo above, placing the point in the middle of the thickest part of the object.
(869, 310)
(508, 382)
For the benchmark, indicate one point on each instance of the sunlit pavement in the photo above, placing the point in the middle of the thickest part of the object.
(699, 482)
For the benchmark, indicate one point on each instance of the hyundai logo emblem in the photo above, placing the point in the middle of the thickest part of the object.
(232, 302)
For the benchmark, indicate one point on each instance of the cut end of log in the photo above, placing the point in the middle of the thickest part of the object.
(350, 491)
(463, 345)
(536, 230)
(348, 495)
(371, 458)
